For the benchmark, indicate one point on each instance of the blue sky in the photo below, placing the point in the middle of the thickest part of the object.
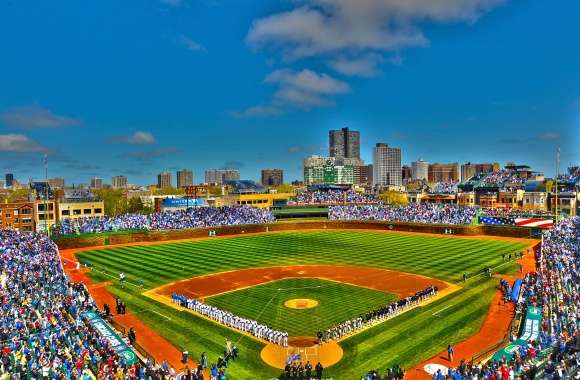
(136, 87)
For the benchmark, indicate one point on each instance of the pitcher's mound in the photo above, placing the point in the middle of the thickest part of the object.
(302, 349)
(301, 303)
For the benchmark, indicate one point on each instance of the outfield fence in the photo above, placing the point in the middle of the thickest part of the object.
(151, 236)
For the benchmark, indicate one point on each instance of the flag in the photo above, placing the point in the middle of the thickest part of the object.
(534, 222)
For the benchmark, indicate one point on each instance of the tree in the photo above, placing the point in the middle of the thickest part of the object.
(393, 197)
(18, 195)
(114, 199)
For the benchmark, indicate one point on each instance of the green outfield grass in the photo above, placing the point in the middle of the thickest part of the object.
(337, 303)
(405, 340)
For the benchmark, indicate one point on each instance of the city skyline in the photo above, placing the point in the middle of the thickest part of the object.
(475, 81)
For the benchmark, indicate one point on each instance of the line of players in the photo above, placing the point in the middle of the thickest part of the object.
(348, 327)
(231, 320)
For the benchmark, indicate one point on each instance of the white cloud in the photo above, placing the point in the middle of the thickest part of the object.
(365, 66)
(19, 143)
(258, 111)
(318, 27)
(306, 88)
(137, 138)
(550, 136)
(35, 116)
(141, 138)
(190, 44)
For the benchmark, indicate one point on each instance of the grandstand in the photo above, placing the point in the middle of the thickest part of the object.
(244, 187)
(41, 190)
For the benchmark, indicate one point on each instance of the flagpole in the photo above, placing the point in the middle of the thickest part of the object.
(46, 194)
(557, 174)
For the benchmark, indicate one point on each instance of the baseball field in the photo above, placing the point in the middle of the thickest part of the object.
(345, 273)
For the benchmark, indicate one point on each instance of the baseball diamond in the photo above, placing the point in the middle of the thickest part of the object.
(221, 285)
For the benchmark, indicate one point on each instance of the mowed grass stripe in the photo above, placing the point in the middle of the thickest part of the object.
(405, 340)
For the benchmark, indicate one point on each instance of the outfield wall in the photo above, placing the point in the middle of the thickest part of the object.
(147, 236)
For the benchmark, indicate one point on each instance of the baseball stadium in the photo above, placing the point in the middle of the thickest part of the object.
(237, 293)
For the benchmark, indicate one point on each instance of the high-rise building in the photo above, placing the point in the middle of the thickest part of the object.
(469, 170)
(344, 143)
(420, 169)
(184, 178)
(119, 182)
(386, 165)
(406, 173)
(96, 183)
(366, 174)
(56, 183)
(9, 179)
(272, 177)
(221, 175)
(443, 172)
(163, 180)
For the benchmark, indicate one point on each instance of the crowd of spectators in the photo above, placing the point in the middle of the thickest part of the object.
(503, 178)
(554, 288)
(514, 212)
(229, 319)
(43, 333)
(330, 197)
(394, 373)
(376, 316)
(184, 219)
(448, 187)
(415, 213)
(79, 193)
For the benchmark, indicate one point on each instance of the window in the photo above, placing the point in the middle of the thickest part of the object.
(77, 211)
(7, 215)
(98, 211)
(26, 211)
(15, 212)
(87, 211)
(65, 212)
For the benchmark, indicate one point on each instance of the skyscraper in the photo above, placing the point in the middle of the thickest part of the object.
(163, 180)
(221, 175)
(96, 183)
(184, 178)
(406, 173)
(9, 180)
(386, 165)
(119, 182)
(420, 169)
(344, 143)
(272, 177)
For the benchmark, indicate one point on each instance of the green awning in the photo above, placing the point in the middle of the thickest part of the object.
(122, 349)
